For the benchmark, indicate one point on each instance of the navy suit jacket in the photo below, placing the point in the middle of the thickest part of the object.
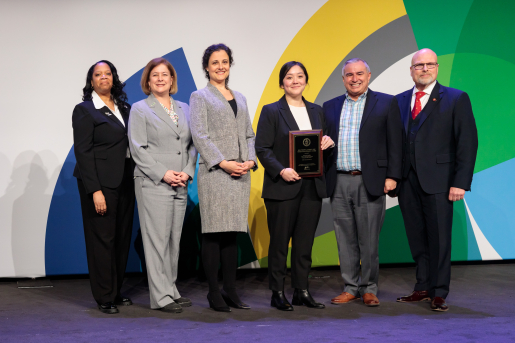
(100, 145)
(272, 147)
(380, 141)
(446, 142)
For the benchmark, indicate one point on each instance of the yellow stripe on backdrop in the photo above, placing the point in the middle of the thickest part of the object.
(326, 38)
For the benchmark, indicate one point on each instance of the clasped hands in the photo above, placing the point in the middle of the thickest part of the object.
(236, 168)
(176, 179)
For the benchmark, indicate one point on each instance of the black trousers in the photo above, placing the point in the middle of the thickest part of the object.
(108, 237)
(297, 219)
(428, 222)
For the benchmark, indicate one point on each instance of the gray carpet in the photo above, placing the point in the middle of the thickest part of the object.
(481, 310)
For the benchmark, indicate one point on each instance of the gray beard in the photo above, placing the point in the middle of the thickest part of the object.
(425, 82)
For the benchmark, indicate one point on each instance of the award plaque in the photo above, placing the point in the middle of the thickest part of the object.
(305, 152)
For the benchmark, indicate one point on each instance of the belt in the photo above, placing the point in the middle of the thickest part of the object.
(351, 172)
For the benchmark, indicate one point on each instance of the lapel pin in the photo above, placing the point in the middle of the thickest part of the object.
(434, 99)
(108, 113)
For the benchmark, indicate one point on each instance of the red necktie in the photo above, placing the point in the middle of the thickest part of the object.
(418, 106)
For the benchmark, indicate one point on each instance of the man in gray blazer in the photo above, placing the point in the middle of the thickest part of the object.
(164, 152)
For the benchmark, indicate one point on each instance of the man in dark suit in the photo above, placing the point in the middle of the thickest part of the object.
(366, 127)
(440, 149)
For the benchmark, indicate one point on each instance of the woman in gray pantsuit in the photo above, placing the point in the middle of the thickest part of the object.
(161, 145)
(222, 132)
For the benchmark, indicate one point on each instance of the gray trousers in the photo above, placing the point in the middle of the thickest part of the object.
(358, 217)
(161, 215)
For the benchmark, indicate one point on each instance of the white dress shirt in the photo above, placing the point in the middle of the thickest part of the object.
(425, 98)
(300, 114)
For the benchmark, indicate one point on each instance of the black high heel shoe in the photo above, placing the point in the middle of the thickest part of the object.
(303, 297)
(234, 301)
(280, 302)
(217, 303)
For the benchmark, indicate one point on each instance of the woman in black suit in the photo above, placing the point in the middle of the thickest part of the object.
(104, 173)
(293, 203)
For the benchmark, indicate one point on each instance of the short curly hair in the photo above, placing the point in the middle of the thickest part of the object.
(207, 54)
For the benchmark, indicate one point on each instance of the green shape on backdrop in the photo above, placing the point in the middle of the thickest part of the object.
(489, 30)
(444, 69)
(494, 114)
(393, 243)
(437, 25)
(325, 250)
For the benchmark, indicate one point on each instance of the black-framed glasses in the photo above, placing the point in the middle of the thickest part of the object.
(420, 66)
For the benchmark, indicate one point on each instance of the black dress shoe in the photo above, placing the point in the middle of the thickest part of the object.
(171, 308)
(108, 307)
(122, 301)
(280, 302)
(217, 303)
(303, 297)
(234, 300)
(184, 302)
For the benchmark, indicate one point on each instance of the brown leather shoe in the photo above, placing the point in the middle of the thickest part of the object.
(414, 297)
(370, 299)
(343, 298)
(439, 304)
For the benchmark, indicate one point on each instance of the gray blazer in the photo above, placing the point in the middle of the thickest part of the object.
(157, 144)
(215, 129)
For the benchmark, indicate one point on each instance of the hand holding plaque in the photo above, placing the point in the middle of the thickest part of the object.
(305, 152)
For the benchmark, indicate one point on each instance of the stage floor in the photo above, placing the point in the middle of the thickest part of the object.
(481, 310)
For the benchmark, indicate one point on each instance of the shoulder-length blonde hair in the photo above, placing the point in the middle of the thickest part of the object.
(145, 77)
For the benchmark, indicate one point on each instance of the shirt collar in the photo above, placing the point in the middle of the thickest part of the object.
(361, 97)
(97, 102)
(427, 90)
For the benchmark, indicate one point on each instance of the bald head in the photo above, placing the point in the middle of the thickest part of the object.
(424, 53)
(424, 68)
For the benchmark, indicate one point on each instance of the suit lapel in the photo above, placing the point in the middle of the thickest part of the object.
(180, 114)
(224, 101)
(405, 107)
(338, 107)
(109, 114)
(284, 109)
(369, 106)
(155, 106)
(434, 99)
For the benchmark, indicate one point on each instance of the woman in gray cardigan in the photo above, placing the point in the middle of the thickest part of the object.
(222, 132)
(161, 145)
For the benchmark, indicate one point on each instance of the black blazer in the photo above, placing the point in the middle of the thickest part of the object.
(380, 140)
(446, 142)
(100, 145)
(272, 148)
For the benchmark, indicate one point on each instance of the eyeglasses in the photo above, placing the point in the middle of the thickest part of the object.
(420, 66)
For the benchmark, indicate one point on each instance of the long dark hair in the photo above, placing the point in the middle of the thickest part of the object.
(207, 54)
(119, 96)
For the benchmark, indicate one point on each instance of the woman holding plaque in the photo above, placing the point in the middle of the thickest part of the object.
(222, 132)
(293, 203)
